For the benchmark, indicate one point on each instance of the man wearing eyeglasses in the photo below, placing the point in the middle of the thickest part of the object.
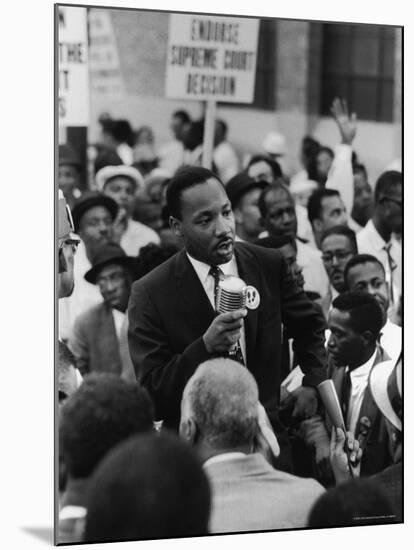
(68, 376)
(338, 246)
(98, 339)
(93, 217)
(379, 236)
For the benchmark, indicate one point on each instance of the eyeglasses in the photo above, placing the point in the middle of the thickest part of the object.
(328, 257)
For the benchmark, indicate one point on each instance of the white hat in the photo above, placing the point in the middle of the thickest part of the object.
(108, 172)
(274, 143)
(385, 385)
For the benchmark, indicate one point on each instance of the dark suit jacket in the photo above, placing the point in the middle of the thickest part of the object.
(95, 345)
(169, 312)
(371, 433)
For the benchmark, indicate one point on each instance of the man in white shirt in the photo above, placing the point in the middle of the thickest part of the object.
(365, 272)
(378, 236)
(224, 155)
(171, 155)
(325, 209)
(338, 246)
(278, 213)
(121, 183)
(220, 417)
(99, 334)
(355, 322)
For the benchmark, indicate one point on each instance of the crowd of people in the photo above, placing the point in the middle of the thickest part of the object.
(180, 416)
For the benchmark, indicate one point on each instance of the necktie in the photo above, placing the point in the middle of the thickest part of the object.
(391, 266)
(236, 352)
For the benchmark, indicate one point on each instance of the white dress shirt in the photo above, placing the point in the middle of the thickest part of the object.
(207, 281)
(359, 381)
(391, 340)
(119, 319)
(313, 270)
(370, 242)
(136, 236)
(84, 295)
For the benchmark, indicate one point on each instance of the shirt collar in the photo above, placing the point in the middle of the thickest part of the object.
(224, 457)
(363, 370)
(202, 269)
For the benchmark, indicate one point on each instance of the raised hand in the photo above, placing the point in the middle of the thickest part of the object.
(347, 124)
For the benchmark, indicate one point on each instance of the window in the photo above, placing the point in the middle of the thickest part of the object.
(358, 64)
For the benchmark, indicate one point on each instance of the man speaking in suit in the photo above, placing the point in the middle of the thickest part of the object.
(173, 325)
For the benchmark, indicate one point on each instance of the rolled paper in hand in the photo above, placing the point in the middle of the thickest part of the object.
(330, 400)
(267, 430)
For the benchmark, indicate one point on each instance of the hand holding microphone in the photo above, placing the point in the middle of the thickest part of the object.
(224, 331)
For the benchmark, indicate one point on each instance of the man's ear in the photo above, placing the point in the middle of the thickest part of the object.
(238, 215)
(189, 431)
(368, 338)
(175, 225)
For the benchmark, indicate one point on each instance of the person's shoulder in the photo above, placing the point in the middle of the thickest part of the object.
(308, 485)
(143, 230)
(90, 315)
(160, 276)
(259, 251)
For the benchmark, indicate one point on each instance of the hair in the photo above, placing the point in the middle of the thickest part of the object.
(149, 487)
(361, 259)
(315, 202)
(277, 242)
(185, 178)
(102, 412)
(357, 502)
(223, 399)
(274, 165)
(120, 130)
(364, 311)
(106, 157)
(326, 150)
(387, 182)
(278, 185)
(152, 255)
(223, 127)
(359, 169)
(182, 115)
(341, 230)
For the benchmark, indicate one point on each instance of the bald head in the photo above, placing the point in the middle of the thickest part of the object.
(220, 402)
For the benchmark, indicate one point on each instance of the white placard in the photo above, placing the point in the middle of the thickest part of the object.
(211, 58)
(73, 76)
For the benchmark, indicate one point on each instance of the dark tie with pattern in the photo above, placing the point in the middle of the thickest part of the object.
(236, 353)
(392, 266)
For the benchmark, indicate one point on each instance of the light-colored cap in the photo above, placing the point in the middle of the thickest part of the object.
(108, 172)
(274, 143)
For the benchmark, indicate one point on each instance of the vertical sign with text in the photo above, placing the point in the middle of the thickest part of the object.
(73, 76)
(211, 58)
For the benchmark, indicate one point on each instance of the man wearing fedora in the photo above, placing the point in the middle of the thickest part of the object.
(98, 340)
(122, 183)
(93, 217)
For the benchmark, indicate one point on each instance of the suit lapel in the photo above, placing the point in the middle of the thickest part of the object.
(249, 271)
(192, 297)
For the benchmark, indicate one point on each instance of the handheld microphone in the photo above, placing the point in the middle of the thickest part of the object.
(231, 294)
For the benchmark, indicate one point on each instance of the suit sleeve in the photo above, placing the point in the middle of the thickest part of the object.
(162, 372)
(305, 323)
(78, 345)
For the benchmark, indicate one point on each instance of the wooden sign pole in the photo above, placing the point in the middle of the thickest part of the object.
(209, 127)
